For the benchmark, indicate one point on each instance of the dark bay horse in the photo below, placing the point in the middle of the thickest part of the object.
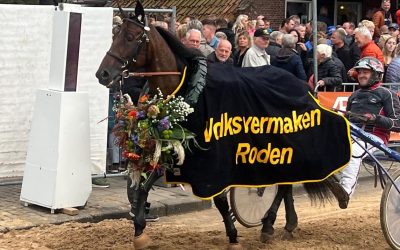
(157, 50)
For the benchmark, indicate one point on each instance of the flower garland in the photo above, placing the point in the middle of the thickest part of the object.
(150, 133)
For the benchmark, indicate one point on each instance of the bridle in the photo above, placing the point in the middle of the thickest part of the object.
(125, 63)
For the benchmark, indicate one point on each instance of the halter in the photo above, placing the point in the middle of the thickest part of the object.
(140, 41)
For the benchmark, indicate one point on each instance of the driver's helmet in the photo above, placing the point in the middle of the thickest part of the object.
(373, 64)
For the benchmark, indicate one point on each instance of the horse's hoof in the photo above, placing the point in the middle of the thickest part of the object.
(142, 241)
(287, 235)
(265, 237)
(235, 246)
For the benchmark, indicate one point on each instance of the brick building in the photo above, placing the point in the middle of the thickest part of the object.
(275, 10)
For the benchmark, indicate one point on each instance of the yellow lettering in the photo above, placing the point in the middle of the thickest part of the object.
(227, 126)
(276, 123)
(264, 152)
(263, 120)
(274, 156)
(236, 124)
(255, 129)
(297, 121)
(285, 151)
(253, 155)
(240, 153)
(218, 128)
(288, 126)
(306, 120)
(208, 132)
(315, 113)
(246, 123)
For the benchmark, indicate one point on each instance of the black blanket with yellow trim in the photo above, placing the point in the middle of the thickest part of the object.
(260, 126)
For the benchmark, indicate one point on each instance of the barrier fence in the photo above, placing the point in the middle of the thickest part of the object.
(338, 100)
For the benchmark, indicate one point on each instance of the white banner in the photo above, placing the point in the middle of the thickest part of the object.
(25, 49)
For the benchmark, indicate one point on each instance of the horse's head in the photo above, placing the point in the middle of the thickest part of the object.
(126, 48)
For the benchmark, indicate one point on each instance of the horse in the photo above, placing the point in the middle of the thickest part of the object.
(155, 49)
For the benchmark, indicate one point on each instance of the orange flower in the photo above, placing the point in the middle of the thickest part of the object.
(143, 98)
(132, 113)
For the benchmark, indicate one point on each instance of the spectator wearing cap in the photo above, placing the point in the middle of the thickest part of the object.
(382, 17)
(394, 30)
(288, 58)
(209, 29)
(222, 53)
(275, 44)
(256, 55)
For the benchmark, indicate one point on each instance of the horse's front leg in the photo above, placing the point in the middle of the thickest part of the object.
(291, 215)
(269, 218)
(137, 196)
(221, 202)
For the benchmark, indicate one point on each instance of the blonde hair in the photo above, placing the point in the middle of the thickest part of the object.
(387, 55)
(367, 23)
(246, 34)
(238, 26)
(181, 31)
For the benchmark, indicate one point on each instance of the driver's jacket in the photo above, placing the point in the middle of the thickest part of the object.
(381, 102)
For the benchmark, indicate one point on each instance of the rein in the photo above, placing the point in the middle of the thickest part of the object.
(127, 74)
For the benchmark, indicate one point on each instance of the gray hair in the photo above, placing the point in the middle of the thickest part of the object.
(324, 49)
(221, 35)
(195, 24)
(341, 33)
(275, 35)
(288, 41)
(191, 31)
(363, 31)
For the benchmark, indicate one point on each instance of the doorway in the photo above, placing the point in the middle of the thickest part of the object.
(348, 12)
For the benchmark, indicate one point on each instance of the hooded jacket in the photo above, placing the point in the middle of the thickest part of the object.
(289, 60)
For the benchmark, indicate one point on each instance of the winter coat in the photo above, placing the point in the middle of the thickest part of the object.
(289, 60)
(393, 71)
(330, 73)
(273, 49)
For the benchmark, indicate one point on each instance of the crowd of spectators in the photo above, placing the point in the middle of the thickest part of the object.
(251, 43)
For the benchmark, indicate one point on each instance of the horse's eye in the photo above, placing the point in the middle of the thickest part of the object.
(129, 37)
(116, 29)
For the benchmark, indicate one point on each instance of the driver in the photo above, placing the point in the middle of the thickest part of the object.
(375, 107)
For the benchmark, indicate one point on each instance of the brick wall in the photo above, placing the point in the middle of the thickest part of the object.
(273, 10)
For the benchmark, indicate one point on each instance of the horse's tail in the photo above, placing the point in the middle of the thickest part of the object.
(319, 191)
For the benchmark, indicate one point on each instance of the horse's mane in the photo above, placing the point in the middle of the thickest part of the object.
(180, 50)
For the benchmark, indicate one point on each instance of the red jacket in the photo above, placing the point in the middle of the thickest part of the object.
(371, 49)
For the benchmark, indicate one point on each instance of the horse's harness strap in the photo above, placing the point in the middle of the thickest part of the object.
(181, 83)
(144, 74)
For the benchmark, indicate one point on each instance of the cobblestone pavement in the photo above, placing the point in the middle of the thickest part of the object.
(107, 203)
(103, 203)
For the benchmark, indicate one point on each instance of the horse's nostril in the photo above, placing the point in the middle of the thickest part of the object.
(105, 74)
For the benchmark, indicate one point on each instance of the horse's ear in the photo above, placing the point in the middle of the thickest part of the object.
(123, 14)
(139, 11)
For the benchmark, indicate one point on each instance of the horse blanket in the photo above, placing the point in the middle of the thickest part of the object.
(260, 126)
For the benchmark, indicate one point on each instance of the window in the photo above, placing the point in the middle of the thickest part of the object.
(302, 8)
